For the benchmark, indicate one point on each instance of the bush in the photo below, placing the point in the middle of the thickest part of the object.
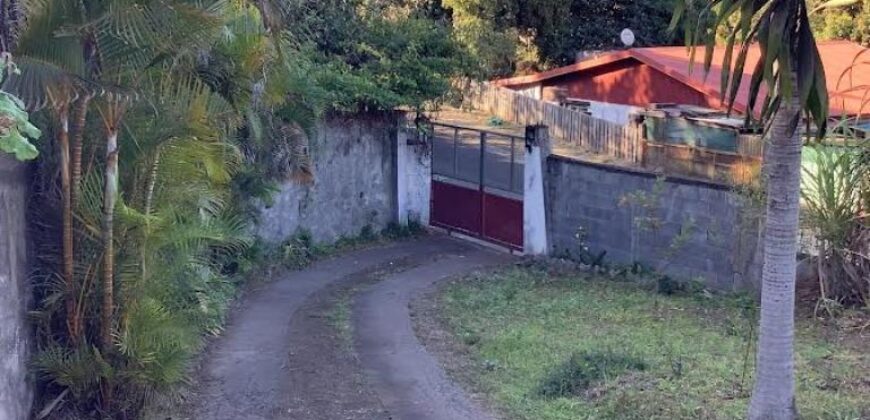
(586, 369)
(374, 62)
(836, 192)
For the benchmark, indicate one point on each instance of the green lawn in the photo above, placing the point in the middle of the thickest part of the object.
(636, 354)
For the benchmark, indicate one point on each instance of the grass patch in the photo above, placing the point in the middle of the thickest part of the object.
(339, 315)
(579, 346)
(585, 369)
(339, 319)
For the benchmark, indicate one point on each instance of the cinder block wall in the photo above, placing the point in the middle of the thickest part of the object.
(16, 391)
(353, 185)
(692, 230)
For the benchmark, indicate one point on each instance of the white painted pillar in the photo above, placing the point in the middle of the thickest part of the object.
(534, 207)
(414, 177)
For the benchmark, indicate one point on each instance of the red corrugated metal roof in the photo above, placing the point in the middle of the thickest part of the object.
(846, 88)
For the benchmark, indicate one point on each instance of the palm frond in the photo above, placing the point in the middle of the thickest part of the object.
(781, 30)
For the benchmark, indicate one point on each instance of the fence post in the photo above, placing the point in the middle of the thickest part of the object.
(534, 207)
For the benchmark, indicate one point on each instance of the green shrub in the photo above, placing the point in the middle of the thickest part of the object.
(836, 193)
(586, 369)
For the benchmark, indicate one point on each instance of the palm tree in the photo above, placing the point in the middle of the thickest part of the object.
(50, 78)
(148, 249)
(792, 71)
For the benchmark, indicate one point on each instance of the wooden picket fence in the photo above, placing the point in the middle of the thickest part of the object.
(567, 126)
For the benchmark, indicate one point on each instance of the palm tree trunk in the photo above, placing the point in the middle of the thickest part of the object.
(773, 397)
(110, 195)
(80, 114)
(72, 318)
(10, 20)
(152, 182)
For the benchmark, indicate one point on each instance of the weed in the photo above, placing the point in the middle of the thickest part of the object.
(397, 231)
(299, 250)
(586, 369)
(495, 121)
(582, 254)
(367, 233)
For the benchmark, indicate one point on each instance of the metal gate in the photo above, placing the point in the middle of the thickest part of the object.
(477, 183)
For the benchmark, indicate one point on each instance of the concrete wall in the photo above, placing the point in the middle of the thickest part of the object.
(16, 391)
(697, 230)
(353, 184)
(413, 176)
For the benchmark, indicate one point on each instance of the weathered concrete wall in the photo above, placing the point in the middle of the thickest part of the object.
(534, 204)
(414, 177)
(16, 391)
(353, 184)
(689, 229)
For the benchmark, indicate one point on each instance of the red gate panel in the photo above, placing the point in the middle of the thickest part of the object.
(455, 207)
(503, 220)
(473, 184)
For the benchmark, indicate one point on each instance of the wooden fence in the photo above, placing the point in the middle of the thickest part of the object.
(567, 126)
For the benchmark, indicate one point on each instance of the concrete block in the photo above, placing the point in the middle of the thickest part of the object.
(589, 197)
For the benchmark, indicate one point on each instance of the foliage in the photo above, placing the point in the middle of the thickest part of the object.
(505, 36)
(698, 351)
(835, 192)
(16, 131)
(585, 369)
(851, 22)
(301, 250)
(787, 44)
(375, 62)
(791, 69)
(177, 238)
(211, 104)
(582, 253)
(648, 204)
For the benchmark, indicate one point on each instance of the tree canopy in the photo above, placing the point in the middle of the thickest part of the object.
(850, 22)
(509, 36)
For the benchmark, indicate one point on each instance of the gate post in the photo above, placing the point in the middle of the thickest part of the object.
(534, 207)
(413, 175)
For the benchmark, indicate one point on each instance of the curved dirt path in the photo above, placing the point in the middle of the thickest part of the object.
(282, 357)
(409, 380)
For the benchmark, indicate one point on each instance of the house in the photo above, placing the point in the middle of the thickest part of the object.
(615, 84)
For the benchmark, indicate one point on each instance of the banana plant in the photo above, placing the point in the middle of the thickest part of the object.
(16, 131)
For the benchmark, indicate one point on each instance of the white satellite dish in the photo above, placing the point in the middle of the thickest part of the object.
(627, 37)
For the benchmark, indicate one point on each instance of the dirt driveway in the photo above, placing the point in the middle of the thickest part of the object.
(335, 342)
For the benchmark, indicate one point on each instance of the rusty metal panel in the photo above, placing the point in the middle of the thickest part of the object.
(503, 220)
(455, 207)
